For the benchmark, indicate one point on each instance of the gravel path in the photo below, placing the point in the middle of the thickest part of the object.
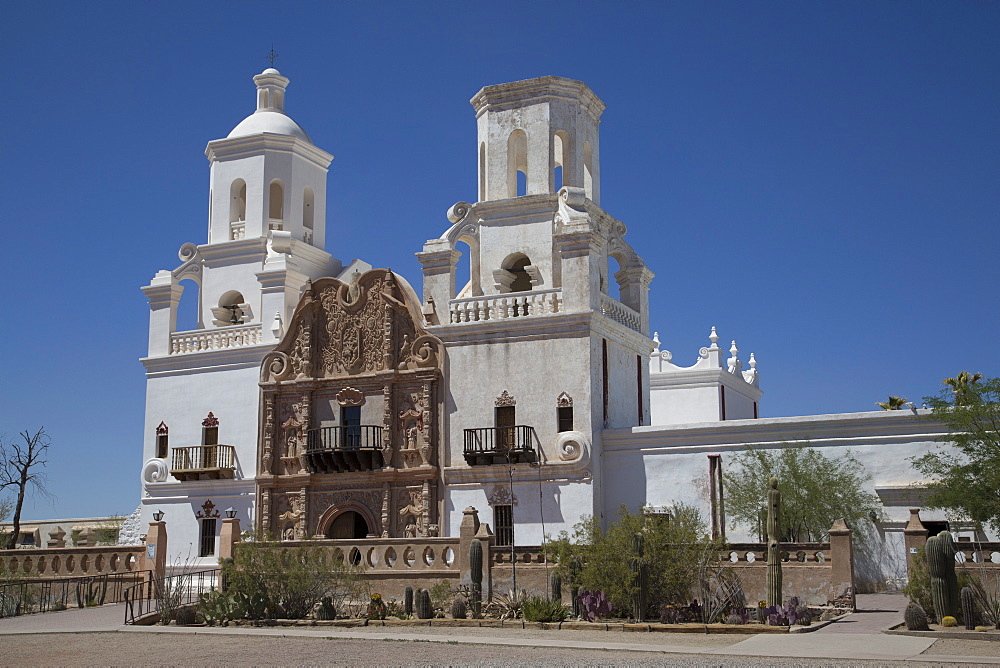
(240, 650)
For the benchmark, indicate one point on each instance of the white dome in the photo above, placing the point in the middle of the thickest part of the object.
(274, 122)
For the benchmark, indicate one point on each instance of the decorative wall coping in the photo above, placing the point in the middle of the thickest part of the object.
(72, 561)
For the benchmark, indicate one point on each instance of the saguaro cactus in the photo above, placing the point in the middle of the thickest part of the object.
(640, 578)
(773, 544)
(969, 608)
(574, 584)
(555, 587)
(424, 609)
(408, 600)
(476, 567)
(944, 583)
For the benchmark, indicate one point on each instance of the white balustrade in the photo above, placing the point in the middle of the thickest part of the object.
(504, 306)
(237, 230)
(215, 339)
(620, 313)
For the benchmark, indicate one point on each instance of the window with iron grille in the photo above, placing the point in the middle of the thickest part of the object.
(207, 546)
(503, 520)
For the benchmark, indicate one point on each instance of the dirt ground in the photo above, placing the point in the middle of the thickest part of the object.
(120, 649)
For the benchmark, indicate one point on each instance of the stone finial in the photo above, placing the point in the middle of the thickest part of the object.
(839, 527)
(57, 537)
(656, 342)
(915, 525)
(753, 362)
(277, 327)
(714, 338)
(470, 522)
(734, 361)
(85, 538)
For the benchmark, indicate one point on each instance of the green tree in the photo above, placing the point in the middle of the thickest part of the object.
(815, 491)
(964, 471)
(675, 546)
(893, 404)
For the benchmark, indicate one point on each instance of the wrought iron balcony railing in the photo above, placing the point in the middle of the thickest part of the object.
(340, 449)
(200, 462)
(500, 445)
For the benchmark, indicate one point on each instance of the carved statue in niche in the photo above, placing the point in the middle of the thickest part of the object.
(412, 423)
(411, 515)
(291, 516)
(301, 353)
(294, 443)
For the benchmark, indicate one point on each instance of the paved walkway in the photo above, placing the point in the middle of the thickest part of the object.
(856, 637)
(875, 612)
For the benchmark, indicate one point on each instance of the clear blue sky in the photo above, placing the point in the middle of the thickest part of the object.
(818, 180)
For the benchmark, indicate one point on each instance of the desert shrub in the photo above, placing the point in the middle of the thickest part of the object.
(541, 609)
(269, 581)
(674, 548)
(441, 595)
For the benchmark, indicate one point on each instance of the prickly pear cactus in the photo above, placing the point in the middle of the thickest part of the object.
(969, 612)
(915, 618)
(773, 544)
(944, 583)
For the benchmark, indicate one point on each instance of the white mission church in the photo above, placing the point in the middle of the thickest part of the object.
(319, 399)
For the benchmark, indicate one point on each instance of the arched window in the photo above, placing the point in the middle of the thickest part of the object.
(611, 287)
(276, 202)
(522, 281)
(517, 164)
(588, 169)
(238, 201)
(516, 274)
(560, 156)
(231, 310)
(308, 204)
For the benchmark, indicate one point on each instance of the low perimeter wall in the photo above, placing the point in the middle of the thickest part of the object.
(809, 570)
(71, 561)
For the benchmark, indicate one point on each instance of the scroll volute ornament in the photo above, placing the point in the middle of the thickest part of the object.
(350, 396)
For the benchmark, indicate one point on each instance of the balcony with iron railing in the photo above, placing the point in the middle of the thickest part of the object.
(203, 462)
(500, 445)
(344, 448)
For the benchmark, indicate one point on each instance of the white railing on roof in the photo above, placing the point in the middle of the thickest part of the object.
(215, 339)
(620, 313)
(501, 307)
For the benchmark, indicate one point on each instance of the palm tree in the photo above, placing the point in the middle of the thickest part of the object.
(961, 386)
(894, 404)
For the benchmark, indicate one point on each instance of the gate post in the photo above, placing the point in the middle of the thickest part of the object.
(914, 536)
(154, 559)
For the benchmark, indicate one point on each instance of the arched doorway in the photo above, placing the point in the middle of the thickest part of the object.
(348, 525)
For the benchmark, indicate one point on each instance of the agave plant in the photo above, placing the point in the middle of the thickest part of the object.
(508, 605)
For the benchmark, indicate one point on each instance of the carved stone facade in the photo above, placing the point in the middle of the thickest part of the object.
(349, 442)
